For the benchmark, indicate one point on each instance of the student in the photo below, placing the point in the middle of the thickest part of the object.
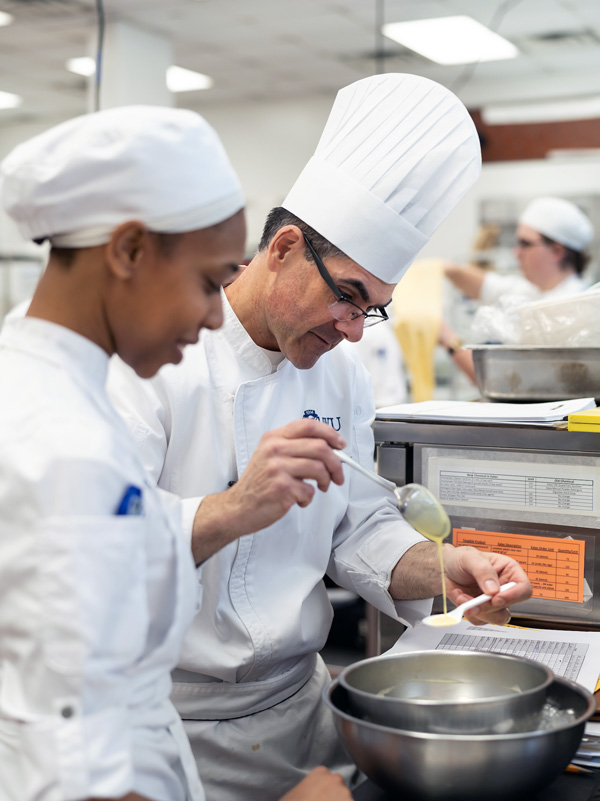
(145, 219)
(396, 155)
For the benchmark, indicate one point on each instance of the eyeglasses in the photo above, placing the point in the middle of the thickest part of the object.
(343, 309)
(523, 244)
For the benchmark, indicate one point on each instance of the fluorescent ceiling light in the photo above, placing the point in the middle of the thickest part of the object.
(582, 108)
(182, 80)
(178, 78)
(5, 19)
(85, 66)
(8, 100)
(451, 40)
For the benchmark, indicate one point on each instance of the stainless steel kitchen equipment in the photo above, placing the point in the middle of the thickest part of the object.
(459, 767)
(523, 373)
(448, 692)
(527, 490)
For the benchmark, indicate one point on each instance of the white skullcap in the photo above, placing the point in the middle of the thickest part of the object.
(559, 220)
(75, 183)
(397, 154)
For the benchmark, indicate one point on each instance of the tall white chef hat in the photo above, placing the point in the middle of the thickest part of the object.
(560, 220)
(75, 183)
(397, 154)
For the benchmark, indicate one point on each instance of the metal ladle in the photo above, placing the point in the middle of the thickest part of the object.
(419, 507)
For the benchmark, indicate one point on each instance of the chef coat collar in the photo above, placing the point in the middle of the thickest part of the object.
(60, 346)
(241, 341)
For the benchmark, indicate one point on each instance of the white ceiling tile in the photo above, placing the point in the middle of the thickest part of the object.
(283, 48)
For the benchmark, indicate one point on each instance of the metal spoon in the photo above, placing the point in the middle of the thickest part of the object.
(455, 615)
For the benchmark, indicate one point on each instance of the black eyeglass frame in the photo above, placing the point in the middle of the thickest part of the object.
(372, 319)
(525, 244)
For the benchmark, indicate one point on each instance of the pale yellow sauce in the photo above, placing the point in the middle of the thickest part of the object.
(441, 620)
(438, 542)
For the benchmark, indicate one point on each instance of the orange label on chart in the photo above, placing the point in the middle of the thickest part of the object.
(554, 566)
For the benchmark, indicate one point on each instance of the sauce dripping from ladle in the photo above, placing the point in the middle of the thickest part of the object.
(419, 507)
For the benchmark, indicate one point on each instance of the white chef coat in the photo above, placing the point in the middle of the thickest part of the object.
(265, 610)
(93, 604)
(496, 286)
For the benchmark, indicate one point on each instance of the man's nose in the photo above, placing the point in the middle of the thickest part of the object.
(352, 330)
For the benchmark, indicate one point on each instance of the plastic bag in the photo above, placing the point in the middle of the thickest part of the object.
(500, 323)
(572, 322)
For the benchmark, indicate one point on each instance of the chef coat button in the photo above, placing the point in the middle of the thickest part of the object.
(67, 711)
(358, 410)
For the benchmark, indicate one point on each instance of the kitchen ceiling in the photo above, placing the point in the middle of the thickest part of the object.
(257, 50)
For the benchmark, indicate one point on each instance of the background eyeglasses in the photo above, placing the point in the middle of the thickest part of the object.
(343, 309)
(523, 244)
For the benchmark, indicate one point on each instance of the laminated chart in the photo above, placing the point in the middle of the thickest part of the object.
(554, 565)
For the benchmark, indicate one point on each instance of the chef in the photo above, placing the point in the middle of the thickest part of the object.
(396, 155)
(145, 218)
(552, 236)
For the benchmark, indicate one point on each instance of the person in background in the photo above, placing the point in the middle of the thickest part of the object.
(552, 236)
(379, 351)
(396, 155)
(145, 218)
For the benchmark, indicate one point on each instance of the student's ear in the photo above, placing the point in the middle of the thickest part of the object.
(286, 245)
(126, 249)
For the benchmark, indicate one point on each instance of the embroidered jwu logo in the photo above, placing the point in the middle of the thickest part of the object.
(334, 422)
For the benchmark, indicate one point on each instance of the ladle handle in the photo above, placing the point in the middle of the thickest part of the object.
(372, 475)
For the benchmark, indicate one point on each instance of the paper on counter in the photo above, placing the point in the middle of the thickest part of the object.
(574, 655)
(548, 411)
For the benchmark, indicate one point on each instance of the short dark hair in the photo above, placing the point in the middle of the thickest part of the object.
(576, 260)
(166, 244)
(278, 217)
(66, 256)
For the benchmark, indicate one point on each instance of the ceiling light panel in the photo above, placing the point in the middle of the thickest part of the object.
(182, 80)
(9, 100)
(451, 40)
(178, 79)
(5, 19)
(85, 65)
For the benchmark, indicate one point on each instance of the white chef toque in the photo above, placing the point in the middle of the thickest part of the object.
(75, 183)
(559, 220)
(397, 154)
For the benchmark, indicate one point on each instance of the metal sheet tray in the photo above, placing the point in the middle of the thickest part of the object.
(524, 373)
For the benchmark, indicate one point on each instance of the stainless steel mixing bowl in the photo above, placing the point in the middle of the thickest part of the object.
(460, 767)
(448, 691)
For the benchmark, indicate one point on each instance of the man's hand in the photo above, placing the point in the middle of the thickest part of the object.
(319, 785)
(274, 480)
(468, 572)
